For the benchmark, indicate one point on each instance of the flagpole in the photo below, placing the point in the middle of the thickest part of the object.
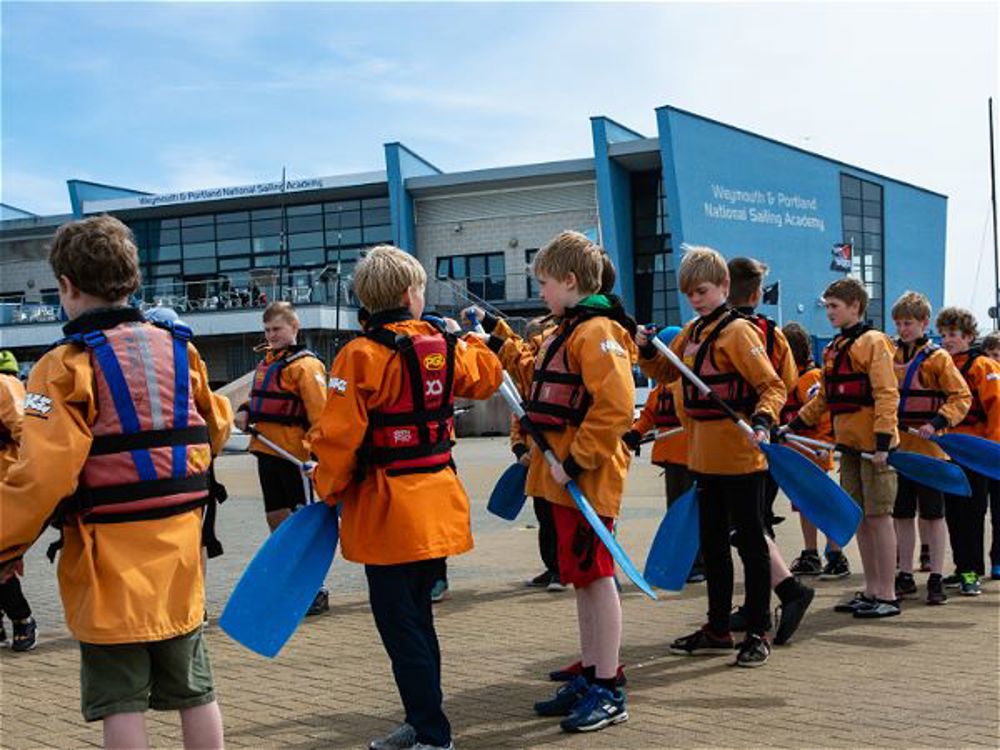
(780, 316)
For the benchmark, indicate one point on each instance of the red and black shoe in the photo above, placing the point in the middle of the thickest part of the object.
(576, 669)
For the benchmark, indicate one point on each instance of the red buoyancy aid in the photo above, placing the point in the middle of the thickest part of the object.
(977, 412)
(846, 390)
(731, 387)
(768, 329)
(557, 397)
(917, 403)
(665, 413)
(413, 433)
(151, 451)
(793, 404)
(269, 401)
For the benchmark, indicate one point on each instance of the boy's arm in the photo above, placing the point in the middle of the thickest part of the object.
(787, 370)
(518, 441)
(606, 369)
(214, 409)
(310, 381)
(988, 387)
(748, 356)
(478, 372)
(644, 422)
(958, 397)
(876, 355)
(655, 366)
(812, 411)
(11, 409)
(57, 416)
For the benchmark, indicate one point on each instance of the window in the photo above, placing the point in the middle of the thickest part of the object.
(862, 209)
(484, 273)
(656, 294)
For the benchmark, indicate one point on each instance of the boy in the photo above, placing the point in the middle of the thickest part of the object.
(809, 563)
(859, 390)
(582, 396)
(746, 289)
(933, 396)
(286, 399)
(125, 408)
(12, 601)
(725, 348)
(383, 443)
(966, 516)
(991, 348)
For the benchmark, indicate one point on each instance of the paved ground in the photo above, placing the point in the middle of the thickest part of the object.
(926, 679)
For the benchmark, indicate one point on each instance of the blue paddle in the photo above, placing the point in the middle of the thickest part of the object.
(978, 454)
(508, 496)
(282, 579)
(675, 545)
(817, 497)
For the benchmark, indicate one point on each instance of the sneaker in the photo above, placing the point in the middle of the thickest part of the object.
(836, 567)
(970, 586)
(3, 635)
(995, 572)
(566, 697)
(807, 564)
(24, 634)
(320, 604)
(401, 738)
(878, 608)
(696, 576)
(905, 585)
(852, 604)
(791, 615)
(738, 620)
(598, 709)
(925, 558)
(555, 585)
(935, 590)
(753, 651)
(953, 581)
(440, 592)
(703, 642)
(540, 581)
(576, 669)
(422, 746)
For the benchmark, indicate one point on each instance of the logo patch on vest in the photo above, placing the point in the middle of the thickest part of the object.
(401, 436)
(610, 346)
(434, 361)
(338, 385)
(36, 402)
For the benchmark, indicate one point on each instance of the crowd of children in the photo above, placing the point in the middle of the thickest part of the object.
(125, 402)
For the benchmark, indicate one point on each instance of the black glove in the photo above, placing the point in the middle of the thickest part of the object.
(633, 439)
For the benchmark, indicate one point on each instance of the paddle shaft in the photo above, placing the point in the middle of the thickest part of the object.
(660, 434)
(306, 483)
(820, 444)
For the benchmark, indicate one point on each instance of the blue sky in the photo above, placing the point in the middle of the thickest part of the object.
(165, 96)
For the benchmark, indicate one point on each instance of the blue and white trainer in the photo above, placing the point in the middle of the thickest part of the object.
(566, 698)
(598, 709)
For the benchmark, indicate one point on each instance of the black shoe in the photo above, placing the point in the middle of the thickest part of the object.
(807, 564)
(905, 585)
(791, 615)
(953, 581)
(702, 642)
(320, 604)
(852, 604)
(935, 590)
(836, 567)
(25, 632)
(3, 634)
(541, 581)
(738, 620)
(697, 575)
(753, 651)
(877, 608)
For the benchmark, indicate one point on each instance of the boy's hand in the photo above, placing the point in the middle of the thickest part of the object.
(308, 467)
(241, 420)
(7, 570)
(484, 337)
(559, 474)
(760, 435)
(525, 459)
(881, 459)
(926, 431)
(451, 325)
(473, 315)
(643, 335)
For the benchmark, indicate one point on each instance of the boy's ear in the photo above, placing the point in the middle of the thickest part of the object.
(66, 286)
(571, 281)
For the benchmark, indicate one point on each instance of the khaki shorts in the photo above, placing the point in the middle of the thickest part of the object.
(164, 675)
(872, 488)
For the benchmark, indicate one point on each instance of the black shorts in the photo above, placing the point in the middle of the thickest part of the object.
(910, 496)
(280, 482)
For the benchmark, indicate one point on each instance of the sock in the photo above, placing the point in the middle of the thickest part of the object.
(788, 589)
(934, 575)
(590, 674)
(606, 683)
(811, 552)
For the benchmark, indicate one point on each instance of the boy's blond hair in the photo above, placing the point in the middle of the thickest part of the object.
(912, 306)
(283, 310)
(572, 253)
(958, 319)
(383, 276)
(849, 290)
(701, 265)
(99, 256)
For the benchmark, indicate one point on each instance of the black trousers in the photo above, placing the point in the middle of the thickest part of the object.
(678, 481)
(400, 597)
(966, 519)
(547, 547)
(736, 500)
(995, 521)
(12, 601)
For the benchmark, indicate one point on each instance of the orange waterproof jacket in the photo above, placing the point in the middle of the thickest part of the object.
(386, 519)
(870, 353)
(719, 446)
(11, 415)
(671, 449)
(120, 582)
(936, 373)
(305, 378)
(983, 378)
(601, 351)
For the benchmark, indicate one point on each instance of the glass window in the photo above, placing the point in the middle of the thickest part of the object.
(266, 261)
(165, 269)
(338, 206)
(850, 187)
(313, 223)
(233, 247)
(310, 208)
(871, 208)
(350, 236)
(443, 268)
(477, 266)
(266, 244)
(332, 238)
(299, 241)
(458, 267)
(233, 230)
(266, 226)
(170, 223)
(495, 264)
(228, 218)
(314, 256)
(871, 191)
(199, 250)
(199, 265)
(850, 206)
(382, 202)
(350, 219)
(170, 236)
(165, 252)
(196, 221)
(374, 235)
(372, 216)
(229, 264)
(266, 213)
(872, 225)
(198, 234)
(852, 223)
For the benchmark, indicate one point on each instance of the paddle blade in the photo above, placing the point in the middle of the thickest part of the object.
(628, 568)
(668, 334)
(281, 581)
(675, 546)
(817, 497)
(507, 497)
(976, 453)
(931, 472)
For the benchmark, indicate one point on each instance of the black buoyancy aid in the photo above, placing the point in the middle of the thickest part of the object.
(665, 411)
(846, 390)
(730, 386)
(269, 400)
(793, 404)
(557, 397)
(917, 403)
(977, 412)
(413, 434)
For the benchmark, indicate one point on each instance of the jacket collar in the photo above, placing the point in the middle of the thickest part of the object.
(103, 318)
